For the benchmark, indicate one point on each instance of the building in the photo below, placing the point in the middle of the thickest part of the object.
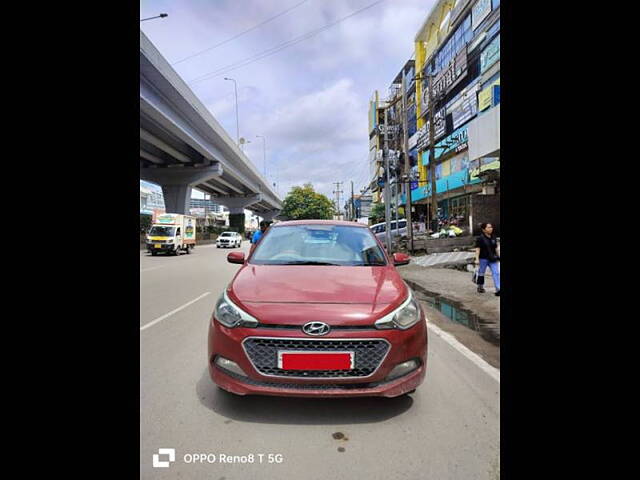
(200, 204)
(362, 204)
(150, 199)
(458, 46)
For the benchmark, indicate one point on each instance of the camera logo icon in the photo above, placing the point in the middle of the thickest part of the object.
(157, 463)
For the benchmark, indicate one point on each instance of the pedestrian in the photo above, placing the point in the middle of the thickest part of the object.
(259, 233)
(488, 255)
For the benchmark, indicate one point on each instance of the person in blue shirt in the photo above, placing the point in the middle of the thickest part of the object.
(258, 235)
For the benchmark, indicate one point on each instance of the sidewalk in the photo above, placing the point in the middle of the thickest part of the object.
(455, 287)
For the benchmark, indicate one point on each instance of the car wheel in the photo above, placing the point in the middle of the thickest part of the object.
(153, 254)
(188, 249)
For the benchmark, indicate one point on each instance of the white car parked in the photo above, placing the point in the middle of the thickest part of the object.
(379, 230)
(229, 239)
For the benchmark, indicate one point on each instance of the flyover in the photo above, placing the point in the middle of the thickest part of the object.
(182, 146)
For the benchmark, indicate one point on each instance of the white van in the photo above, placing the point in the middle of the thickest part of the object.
(379, 230)
(172, 234)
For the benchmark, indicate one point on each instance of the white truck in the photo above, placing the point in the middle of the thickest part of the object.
(172, 234)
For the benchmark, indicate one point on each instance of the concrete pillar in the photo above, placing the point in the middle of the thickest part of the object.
(177, 198)
(236, 219)
(177, 183)
(268, 216)
(236, 206)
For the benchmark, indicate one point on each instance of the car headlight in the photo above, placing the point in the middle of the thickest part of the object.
(405, 316)
(230, 315)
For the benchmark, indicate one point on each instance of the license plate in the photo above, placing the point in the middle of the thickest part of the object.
(293, 360)
(157, 245)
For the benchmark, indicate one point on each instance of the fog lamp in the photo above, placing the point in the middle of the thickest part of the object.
(229, 365)
(402, 369)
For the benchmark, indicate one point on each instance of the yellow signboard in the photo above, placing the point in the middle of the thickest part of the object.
(474, 173)
(485, 96)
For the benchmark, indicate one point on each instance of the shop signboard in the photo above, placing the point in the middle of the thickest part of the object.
(413, 140)
(486, 96)
(467, 109)
(440, 129)
(440, 125)
(483, 164)
(450, 76)
(424, 99)
(490, 55)
(479, 12)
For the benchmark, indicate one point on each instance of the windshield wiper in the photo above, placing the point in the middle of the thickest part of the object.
(309, 262)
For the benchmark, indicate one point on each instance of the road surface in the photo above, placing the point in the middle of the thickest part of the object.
(448, 429)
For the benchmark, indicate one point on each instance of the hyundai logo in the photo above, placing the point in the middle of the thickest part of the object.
(316, 328)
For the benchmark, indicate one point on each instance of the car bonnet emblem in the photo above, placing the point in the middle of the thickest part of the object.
(316, 328)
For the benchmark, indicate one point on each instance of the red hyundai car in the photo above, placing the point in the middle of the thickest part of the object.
(318, 310)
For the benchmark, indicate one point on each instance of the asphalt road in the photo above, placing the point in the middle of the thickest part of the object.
(448, 429)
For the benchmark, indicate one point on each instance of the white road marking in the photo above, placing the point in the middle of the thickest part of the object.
(151, 268)
(167, 315)
(492, 371)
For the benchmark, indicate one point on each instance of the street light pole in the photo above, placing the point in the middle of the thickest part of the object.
(235, 85)
(264, 153)
(162, 15)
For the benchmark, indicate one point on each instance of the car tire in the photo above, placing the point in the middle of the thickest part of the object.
(153, 254)
(177, 252)
(188, 249)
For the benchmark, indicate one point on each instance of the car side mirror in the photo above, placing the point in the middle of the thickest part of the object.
(236, 257)
(401, 259)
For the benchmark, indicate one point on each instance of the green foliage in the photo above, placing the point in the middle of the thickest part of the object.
(145, 222)
(377, 213)
(304, 203)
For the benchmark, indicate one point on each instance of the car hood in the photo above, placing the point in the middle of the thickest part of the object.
(318, 284)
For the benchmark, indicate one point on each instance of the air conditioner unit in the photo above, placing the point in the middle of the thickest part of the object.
(490, 190)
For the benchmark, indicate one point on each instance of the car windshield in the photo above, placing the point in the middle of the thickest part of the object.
(319, 245)
(227, 234)
(162, 231)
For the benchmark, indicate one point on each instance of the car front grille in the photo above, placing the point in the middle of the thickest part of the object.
(368, 355)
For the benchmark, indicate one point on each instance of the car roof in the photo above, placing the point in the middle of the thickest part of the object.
(320, 222)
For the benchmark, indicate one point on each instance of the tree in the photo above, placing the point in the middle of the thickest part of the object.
(377, 213)
(304, 203)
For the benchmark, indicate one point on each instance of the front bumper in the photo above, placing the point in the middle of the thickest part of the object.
(164, 247)
(404, 345)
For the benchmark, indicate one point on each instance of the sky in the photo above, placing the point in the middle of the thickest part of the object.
(310, 101)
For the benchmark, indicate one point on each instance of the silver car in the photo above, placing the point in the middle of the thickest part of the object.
(379, 230)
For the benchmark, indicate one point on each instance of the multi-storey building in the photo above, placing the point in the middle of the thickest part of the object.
(459, 47)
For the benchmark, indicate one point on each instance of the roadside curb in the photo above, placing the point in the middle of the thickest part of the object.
(486, 327)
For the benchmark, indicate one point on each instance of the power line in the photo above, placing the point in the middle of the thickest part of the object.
(277, 48)
(240, 34)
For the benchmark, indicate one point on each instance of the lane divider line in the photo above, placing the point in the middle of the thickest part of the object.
(151, 268)
(490, 370)
(167, 315)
